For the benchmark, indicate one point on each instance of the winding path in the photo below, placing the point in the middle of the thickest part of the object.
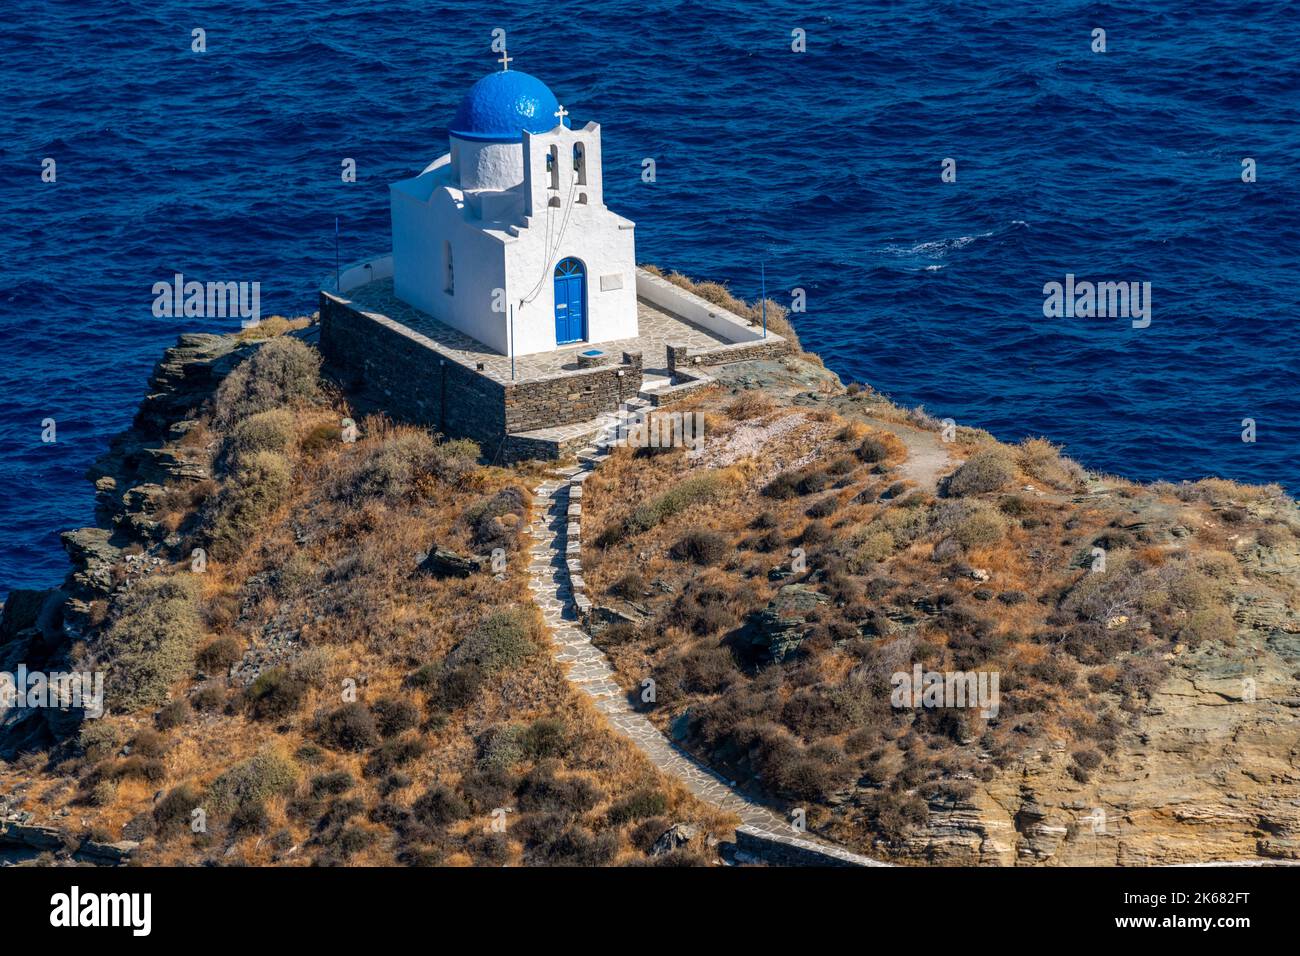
(555, 577)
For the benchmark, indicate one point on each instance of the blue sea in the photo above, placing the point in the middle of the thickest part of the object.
(823, 166)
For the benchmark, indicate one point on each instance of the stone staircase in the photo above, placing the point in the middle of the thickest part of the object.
(555, 573)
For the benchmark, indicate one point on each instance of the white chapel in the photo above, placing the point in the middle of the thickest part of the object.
(513, 219)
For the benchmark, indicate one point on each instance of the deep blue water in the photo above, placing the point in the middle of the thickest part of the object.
(1121, 166)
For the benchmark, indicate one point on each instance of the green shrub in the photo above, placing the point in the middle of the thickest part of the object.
(501, 641)
(284, 371)
(265, 775)
(985, 471)
(151, 644)
(692, 491)
(501, 748)
(99, 739)
(261, 484)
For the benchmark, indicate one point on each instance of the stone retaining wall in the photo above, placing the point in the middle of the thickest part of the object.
(422, 384)
(572, 397)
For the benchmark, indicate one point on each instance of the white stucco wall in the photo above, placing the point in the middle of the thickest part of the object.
(497, 244)
(478, 165)
(678, 301)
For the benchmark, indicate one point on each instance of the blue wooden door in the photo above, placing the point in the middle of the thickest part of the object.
(570, 301)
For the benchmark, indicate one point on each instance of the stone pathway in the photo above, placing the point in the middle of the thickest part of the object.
(927, 456)
(555, 572)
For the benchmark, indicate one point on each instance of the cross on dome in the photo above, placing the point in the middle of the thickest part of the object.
(560, 114)
(505, 61)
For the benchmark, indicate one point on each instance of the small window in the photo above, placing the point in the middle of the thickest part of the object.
(553, 166)
(580, 163)
(448, 270)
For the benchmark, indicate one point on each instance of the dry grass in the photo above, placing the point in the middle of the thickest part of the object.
(320, 586)
(898, 570)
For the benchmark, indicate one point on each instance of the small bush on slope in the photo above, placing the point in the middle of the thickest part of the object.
(260, 485)
(271, 430)
(284, 371)
(151, 644)
(985, 471)
(266, 774)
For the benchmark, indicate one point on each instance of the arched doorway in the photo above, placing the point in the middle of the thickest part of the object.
(570, 301)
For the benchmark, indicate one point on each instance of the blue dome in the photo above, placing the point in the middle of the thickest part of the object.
(499, 107)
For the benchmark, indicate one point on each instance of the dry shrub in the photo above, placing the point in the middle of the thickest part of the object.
(350, 727)
(392, 469)
(981, 528)
(151, 644)
(702, 547)
(985, 471)
(749, 404)
(266, 774)
(695, 490)
(872, 450)
(272, 431)
(261, 484)
(171, 815)
(877, 547)
(270, 327)
(284, 371)
(497, 522)
(217, 655)
(1041, 459)
(720, 295)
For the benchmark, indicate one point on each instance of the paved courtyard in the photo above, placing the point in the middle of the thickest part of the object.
(657, 329)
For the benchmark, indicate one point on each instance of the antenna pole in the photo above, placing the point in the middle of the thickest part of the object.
(763, 269)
